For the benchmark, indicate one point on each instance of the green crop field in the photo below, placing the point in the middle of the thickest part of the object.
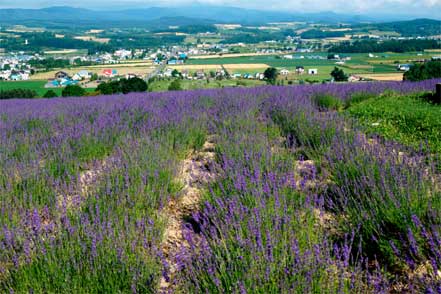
(381, 62)
(159, 86)
(37, 86)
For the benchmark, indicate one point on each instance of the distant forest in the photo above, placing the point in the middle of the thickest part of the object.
(412, 28)
(398, 46)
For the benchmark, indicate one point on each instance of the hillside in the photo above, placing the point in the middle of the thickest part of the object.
(411, 28)
(65, 16)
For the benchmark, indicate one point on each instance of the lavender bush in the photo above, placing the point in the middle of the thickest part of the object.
(272, 222)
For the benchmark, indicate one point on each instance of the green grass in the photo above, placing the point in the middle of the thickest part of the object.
(409, 119)
(37, 86)
(162, 85)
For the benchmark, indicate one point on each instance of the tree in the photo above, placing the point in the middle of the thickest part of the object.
(419, 72)
(339, 75)
(73, 90)
(133, 85)
(271, 74)
(105, 89)
(94, 77)
(17, 93)
(124, 86)
(175, 86)
(50, 94)
(175, 73)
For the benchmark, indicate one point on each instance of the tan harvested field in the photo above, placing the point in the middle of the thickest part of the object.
(94, 31)
(246, 66)
(234, 55)
(302, 30)
(338, 39)
(384, 77)
(433, 50)
(93, 39)
(218, 66)
(65, 51)
(228, 26)
(340, 30)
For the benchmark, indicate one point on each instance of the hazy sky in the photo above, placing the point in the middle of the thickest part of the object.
(410, 7)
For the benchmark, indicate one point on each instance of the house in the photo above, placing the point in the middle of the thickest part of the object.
(312, 71)
(259, 76)
(300, 69)
(403, 67)
(110, 72)
(284, 72)
(61, 75)
(354, 78)
(340, 62)
(288, 56)
(15, 77)
(220, 73)
(81, 75)
(131, 76)
(200, 74)
(123, 54)
(236, 75)
(168, 73)
(185, 74)
(175, 61)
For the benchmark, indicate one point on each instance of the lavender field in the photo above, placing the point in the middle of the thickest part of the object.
(235, 190)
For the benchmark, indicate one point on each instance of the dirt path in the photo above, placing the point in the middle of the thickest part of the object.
(195, 173)
(87, 182)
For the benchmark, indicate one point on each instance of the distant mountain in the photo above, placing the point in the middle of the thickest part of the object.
(79, 17)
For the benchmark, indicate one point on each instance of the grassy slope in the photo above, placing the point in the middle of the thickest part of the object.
(405, 118)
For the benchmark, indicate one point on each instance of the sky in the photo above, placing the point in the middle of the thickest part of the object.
(405, 7)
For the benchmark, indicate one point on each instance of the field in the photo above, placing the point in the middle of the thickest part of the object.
(140, 68)
(162, 85)
(360, 64)
(384, 77)
(37, 86)
(302, 189)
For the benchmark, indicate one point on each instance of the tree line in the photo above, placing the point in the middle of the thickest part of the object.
(398, 46)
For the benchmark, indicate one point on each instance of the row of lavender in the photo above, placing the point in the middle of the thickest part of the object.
(58, 236)
(360, 216)
(261, 228)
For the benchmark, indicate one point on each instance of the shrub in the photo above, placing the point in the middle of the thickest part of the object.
(50, 94)
(175, 86)
(327, 102)
(17, 93)
(357, 98)
(73, 90)
(419, 72)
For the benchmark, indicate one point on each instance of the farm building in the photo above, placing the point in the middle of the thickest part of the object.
(403, 67)
(110, 72)
(284, 72)
(81, 75)
(61, 75)
(312, 71)
(300, 69)
(354, 78)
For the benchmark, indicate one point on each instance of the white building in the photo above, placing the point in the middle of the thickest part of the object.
(312, 71)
